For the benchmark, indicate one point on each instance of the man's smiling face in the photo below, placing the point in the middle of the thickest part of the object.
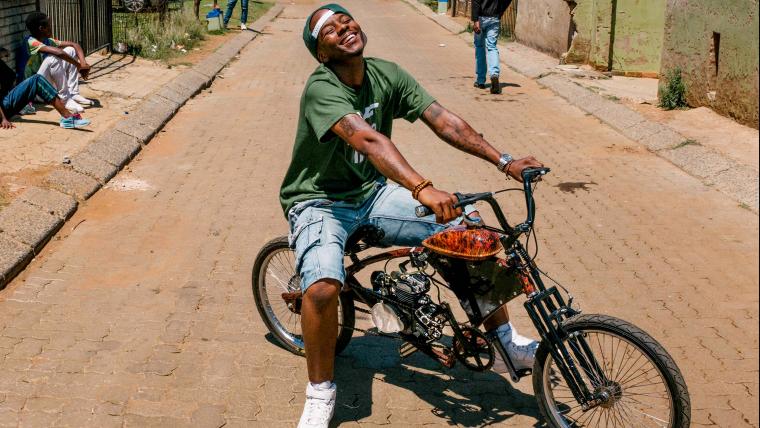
(340, 37)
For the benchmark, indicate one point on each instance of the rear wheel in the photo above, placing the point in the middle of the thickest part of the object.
(274, 274)
(642, 384)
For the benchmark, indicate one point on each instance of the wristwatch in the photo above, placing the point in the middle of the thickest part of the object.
(504, 160)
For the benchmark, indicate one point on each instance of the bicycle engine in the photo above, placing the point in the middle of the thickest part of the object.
(405, 306)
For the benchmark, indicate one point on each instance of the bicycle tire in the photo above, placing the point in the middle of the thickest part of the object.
(680, 414)
(347, 313)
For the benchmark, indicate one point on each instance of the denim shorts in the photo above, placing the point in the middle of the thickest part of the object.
(319, 229)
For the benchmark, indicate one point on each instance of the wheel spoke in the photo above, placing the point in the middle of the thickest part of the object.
(638, 393)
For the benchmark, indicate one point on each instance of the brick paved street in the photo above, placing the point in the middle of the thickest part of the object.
(140, 312)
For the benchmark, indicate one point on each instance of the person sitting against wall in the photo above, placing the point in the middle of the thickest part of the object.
(60, 62)
(14, 98)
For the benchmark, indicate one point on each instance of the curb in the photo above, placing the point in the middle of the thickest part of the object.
(713, 169)
(32, 219)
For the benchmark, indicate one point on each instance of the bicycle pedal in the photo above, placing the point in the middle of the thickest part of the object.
(406, 349)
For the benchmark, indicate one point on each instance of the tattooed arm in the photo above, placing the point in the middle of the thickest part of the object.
(459, 134)
(391, 163)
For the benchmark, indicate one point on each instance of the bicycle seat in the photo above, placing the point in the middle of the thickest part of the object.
(364, 237)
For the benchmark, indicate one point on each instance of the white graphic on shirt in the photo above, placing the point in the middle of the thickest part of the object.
(369, 111)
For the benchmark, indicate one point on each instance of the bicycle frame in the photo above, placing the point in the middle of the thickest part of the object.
(546, 307)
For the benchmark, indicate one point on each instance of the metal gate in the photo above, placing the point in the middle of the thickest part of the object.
(87, 22)
(508, 20)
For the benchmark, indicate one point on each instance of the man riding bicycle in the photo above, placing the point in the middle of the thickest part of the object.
(337, 182)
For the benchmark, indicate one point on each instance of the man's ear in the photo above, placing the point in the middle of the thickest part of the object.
(321, 57)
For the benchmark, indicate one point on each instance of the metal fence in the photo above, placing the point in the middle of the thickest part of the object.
(125, 17)
(88, 22)
(508, 20)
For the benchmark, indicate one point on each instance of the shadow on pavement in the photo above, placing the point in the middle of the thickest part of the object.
(458, 396)
(47, 122)
(505, 85)
(110, 64)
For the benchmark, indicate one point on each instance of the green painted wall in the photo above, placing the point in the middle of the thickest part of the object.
(639, 28)
(725, 79)
(631, 29)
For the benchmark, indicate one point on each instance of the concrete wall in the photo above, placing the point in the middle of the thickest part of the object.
(723, 77)
(638, 33)
(624, 36)
(544, 25)
(592, 21)
(12, 27)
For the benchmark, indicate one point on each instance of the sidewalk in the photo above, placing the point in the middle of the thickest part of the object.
(46, 171)
(37, 144)
(720, 152)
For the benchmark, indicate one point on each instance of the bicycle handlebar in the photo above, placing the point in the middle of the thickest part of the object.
(529, 175)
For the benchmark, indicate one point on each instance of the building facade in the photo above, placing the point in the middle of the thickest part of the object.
(715, 45)
(12, 27)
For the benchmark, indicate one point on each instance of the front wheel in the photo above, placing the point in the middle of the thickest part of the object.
(643, 383)
(274, 276)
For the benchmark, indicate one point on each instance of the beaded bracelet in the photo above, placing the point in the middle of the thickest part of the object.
(418, 188)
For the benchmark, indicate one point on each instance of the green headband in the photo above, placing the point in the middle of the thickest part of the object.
(311, 41)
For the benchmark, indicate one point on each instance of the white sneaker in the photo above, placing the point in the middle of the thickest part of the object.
(243, 27)
(319, 407)
(521, 350)
(73, 106)
(81, 100)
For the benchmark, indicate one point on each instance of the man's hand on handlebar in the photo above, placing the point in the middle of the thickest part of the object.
(441, 203)
(517, 166)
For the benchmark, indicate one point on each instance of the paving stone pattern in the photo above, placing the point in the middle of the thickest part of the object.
(139, 312)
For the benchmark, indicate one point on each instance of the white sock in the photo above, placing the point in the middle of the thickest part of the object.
(323, 386)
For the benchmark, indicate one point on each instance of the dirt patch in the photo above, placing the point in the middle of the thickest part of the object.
(709, 129)
(12, 185)
(199, 53)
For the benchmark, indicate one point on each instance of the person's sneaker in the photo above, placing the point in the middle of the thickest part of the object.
(521, 350)
(82, 100)
(243, 27)
(319, 406)
(495, 86)
(73, 106)
(28, 109)
(75, 121)
(479, 85)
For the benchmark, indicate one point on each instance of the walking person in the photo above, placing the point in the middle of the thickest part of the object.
(338, 181)
(243, 13)
(486, 17)
(60, 62)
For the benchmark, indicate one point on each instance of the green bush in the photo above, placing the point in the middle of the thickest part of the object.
(154, 39)
(673, 92)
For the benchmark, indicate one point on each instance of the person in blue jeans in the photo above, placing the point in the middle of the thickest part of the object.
(14, 99)
(486, 17)
(243, 13)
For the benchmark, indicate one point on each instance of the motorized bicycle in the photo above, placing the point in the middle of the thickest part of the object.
(589, 371)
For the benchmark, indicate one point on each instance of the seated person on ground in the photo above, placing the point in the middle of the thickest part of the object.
(59, 61)
(14, 99)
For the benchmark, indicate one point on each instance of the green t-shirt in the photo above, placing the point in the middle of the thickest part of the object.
(325, 167)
